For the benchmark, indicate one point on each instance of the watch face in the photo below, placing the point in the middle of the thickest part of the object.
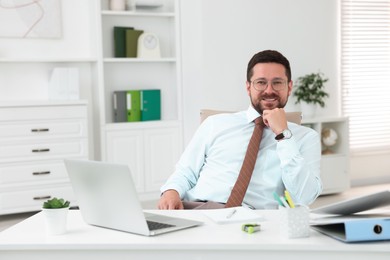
(150, 41)
(287, 134)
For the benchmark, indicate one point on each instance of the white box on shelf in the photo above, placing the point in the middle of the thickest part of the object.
(64, 84)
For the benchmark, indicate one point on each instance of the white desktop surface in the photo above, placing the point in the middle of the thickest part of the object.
(28, 240)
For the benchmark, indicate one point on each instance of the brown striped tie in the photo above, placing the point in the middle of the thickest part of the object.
(242, 182)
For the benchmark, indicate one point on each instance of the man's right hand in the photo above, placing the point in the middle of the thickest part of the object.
(170, 199)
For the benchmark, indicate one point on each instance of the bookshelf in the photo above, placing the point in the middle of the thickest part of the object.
(150, 148)
(334, 166)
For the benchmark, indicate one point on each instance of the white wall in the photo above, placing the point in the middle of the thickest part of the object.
(220, 36)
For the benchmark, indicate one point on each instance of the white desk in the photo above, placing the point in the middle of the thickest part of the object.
(27, 240)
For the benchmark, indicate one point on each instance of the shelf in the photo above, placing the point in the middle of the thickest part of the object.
(23, 103)
(137, 60)
(138, 13)
(142, 125)
(47, 60)
(322, 120)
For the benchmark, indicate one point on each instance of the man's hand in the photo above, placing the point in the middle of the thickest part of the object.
(275, 119)
(170, 199)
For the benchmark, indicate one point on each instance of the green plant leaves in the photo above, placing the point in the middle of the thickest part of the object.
(55, 203)
(310, 89)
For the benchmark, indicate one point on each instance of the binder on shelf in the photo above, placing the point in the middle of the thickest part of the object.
(150, 104)
(127, 107)
(120, 107)
(132, 42)
(356, 230)
(120, 41)
(133, 106)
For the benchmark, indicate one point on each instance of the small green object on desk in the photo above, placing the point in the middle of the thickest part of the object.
(55, 203)
(250, 228)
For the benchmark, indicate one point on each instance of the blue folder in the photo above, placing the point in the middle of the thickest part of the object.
(357, 230)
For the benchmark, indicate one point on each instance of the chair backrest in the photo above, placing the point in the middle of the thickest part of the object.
(294, 117)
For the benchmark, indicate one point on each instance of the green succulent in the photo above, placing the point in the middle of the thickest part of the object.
(310, 89)
(55, 203)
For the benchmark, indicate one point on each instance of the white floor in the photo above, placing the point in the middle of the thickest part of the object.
(9, 220)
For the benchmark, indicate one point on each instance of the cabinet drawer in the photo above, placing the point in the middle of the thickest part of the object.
(35, 130)
(43, 150)
(43, 112)
(31, 200)
(29, 173)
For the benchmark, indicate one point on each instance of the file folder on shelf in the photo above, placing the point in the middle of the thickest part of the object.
(133, 106)
(127, 107)
(150, 104)
(120, 41)
(119, 106)
(132, 42)
(356, 230)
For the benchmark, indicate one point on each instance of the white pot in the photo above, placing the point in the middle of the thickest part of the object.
(117, 5)
(55, 220)
(308, 110)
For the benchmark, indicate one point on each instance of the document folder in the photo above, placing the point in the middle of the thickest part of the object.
(356, 230)
(150, 104)
(126, 105)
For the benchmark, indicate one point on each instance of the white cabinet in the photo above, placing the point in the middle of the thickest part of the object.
(35, 137)
(335, 163)
(150, 152)
(151, 148)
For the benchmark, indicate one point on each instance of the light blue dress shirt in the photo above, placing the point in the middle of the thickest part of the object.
(210, 164)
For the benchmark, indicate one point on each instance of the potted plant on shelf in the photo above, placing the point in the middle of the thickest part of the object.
(309, 91)
(56, 212)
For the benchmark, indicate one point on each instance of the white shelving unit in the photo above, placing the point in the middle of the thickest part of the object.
(150, 148)
(334, 166)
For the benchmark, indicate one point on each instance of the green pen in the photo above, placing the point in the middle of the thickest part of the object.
(278, 199)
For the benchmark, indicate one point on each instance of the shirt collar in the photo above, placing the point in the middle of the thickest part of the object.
(251, 114)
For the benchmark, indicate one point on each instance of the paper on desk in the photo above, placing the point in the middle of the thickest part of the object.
(225, 216)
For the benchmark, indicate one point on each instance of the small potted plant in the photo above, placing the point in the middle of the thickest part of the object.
(309, 90)
(56, 212)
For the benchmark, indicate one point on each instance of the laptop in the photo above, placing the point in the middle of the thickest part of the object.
(107, 197)
(357, 204)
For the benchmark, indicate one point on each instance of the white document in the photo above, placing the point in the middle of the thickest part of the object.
(64, 84)
(232, 215)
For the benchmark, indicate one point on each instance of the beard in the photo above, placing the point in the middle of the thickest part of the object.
(259, 103)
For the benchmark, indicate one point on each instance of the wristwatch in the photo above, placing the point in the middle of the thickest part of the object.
(286, 134)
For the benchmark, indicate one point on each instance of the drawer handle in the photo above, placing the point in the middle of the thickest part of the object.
(41, 173)
(41, 150)
(42, 198)
(36, 130)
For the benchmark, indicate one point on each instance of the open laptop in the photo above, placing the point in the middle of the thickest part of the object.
(107, 197)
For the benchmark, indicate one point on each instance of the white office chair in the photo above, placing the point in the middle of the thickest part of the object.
(294, 117)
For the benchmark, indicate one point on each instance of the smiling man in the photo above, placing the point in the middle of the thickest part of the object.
(288, 158)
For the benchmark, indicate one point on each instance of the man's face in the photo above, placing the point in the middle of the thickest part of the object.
(263, 96)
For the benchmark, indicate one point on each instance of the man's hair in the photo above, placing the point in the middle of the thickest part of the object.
(268, 56)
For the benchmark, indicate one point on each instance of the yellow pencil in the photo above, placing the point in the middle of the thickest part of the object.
(289, 199)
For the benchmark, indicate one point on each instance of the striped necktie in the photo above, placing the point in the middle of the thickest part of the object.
(242, 182)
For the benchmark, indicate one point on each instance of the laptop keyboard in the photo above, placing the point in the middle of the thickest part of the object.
(157, 225)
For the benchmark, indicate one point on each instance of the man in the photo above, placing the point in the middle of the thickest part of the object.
(210, 165)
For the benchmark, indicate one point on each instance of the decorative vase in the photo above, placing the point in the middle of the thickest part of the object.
(55, 220)
(308, 110)
(117, 5)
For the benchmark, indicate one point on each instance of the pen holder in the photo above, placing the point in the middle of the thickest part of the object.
(294, 222)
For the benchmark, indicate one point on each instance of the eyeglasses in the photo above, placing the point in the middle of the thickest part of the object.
(262, 84)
